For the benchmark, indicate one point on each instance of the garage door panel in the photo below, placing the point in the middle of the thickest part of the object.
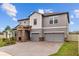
(54, 37)
(35, 37)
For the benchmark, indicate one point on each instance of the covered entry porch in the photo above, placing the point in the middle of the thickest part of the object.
(23, 33)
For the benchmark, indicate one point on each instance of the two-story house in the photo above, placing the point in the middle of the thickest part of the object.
(45, 27)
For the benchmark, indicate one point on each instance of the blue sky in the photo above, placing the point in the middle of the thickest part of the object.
(10, 13)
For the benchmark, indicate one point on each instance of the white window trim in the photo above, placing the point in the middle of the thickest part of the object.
(36, 21)
(50, 27)
(53, 19)
(54, 27)
(55, 32)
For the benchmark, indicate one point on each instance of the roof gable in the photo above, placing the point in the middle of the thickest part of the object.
(34, 13)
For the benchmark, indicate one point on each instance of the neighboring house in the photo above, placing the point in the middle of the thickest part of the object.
(1, 35)
(9, 33)
(44, 27)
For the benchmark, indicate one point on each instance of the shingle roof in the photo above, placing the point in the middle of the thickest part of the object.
(23, 19)
(15, 27)
(55, 13)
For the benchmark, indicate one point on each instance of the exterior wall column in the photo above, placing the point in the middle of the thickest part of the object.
(41, 38)
(24, 37)
(17, 35)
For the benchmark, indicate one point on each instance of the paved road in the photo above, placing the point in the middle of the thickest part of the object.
(32, 48)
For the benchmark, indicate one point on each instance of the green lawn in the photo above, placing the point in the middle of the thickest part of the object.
(68, 49)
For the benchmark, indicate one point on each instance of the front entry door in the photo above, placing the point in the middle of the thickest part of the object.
(27, 34)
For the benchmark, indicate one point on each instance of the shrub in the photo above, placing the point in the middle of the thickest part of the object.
(6, 41)
(2, 43)
(12, 40)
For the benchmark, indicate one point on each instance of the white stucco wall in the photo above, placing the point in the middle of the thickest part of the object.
(39, 20)
(24, 22)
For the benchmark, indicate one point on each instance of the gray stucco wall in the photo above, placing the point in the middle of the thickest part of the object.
(54, 30)
(48, 30)
(36, 31)
(62, 21)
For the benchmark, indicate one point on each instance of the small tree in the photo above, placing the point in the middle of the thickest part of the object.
(8, 30)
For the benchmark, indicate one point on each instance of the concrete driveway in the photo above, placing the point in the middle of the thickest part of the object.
(32, 48)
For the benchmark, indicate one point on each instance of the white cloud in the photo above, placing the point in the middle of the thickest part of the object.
(10, 9)
(72, 16)
(45, 11)
(11, 14)
(41, 11)
(76, 11)
(14, 19)
(48, 10)
(1, 29)
(71, 22)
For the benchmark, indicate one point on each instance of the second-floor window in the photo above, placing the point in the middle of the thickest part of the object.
(55, 21)
(51, 21)
(35, 21)
(24, 22)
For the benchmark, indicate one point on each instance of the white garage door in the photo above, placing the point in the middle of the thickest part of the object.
(54, 37)
(35, 37)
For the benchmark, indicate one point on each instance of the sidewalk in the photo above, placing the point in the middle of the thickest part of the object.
(4, 54)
